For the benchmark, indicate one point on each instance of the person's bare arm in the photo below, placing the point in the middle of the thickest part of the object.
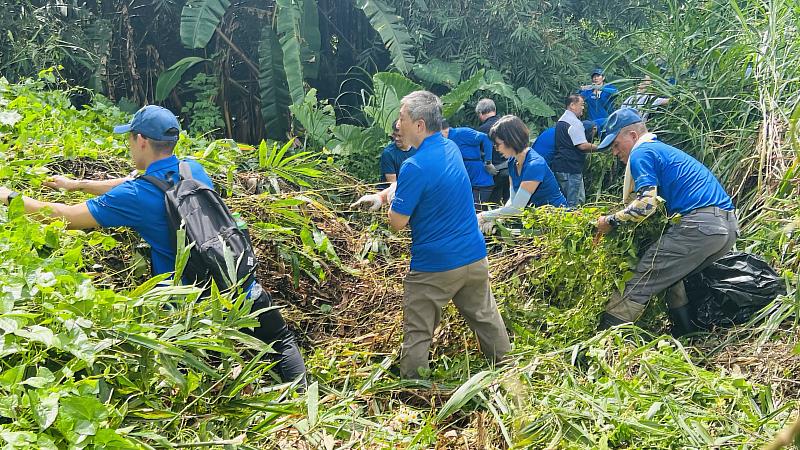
(390, 177)
(94, 187)
(77, 216)
(398, 221)
(587, 147)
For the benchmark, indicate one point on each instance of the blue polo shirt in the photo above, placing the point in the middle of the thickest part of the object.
(683, 182)
(534, 168)
(392, 158)
(476, 151)
(545, 144)
(433, 190)
(140, 205)
(598, 108)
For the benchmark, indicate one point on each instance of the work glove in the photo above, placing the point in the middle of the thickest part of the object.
(491, 169)
(487, 227)
(373, 202)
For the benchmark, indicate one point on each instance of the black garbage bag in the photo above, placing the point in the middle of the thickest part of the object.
(732, 289)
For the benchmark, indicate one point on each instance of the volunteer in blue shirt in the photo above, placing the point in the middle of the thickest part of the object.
(545, 143)
(532, 182)
(707, 229)
(486, 110)
(599, 97)
(392, 158)
(448, 254)
(136, 203)
(476, 152)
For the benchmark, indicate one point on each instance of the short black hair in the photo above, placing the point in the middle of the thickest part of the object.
(163, 147)
(572, 99)
(445, 124)
(512, 131)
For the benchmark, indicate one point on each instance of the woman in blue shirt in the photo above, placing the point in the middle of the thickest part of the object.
(532, 181)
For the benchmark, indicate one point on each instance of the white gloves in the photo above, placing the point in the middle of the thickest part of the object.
(486, 225)
(371, 201)
(491, 169)
(487, 228)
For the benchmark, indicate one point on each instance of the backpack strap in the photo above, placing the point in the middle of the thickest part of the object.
(185, 170)
(162, 184)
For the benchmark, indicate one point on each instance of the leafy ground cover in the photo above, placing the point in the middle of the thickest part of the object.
(95, 355)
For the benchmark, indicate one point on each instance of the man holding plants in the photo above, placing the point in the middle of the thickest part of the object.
(139, 204)
(448, 252)
(707, 230)
(571, 147)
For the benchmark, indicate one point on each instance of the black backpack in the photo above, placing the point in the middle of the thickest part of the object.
(210, 227)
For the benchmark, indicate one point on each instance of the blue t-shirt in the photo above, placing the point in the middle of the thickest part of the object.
(534, 168)
(140, 205)
(392, 158)
(599, 107)
(433, 189)
(683, 182)
(476, 150)
(545, 144)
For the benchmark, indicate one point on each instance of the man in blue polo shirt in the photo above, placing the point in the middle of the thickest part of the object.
(137, 203)
(448, 254)
(707, 229)
(393, 157)
(476, 152)
(599, 97)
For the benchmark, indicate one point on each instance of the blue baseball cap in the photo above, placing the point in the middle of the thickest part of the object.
(618, 120)
(597, 71)
(153, 122)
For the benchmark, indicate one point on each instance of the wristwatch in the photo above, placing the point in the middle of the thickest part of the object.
(11, 196)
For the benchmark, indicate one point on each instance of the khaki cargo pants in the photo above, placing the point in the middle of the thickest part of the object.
(424, 296)
(700, 238)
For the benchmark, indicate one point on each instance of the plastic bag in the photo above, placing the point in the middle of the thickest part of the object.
(732, 289)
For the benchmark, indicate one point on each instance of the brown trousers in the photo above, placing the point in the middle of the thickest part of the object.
(424, 296)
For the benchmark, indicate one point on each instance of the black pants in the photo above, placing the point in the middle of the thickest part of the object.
(500, 193)
(480, 197)
(274, 331)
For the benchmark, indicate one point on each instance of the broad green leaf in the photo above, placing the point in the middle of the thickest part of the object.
(312, 40)
(465, 393)
(172, 76)
(43, 378)
(288, 17)
(453, 100)
(45, 409)
(437, 71)
(392, 31)
(199, 20)
(316, 117)
(273, 90)
(312, 402)
(534, 104)
(388, 88)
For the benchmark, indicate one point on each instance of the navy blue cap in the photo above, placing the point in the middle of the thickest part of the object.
(597, 71)
(618, 120)
(153, 122)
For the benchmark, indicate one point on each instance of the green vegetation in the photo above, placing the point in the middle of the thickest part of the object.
(96, 355)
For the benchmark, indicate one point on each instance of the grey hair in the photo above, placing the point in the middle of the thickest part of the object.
(485, 106)
(639, 127)
(425, 106)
